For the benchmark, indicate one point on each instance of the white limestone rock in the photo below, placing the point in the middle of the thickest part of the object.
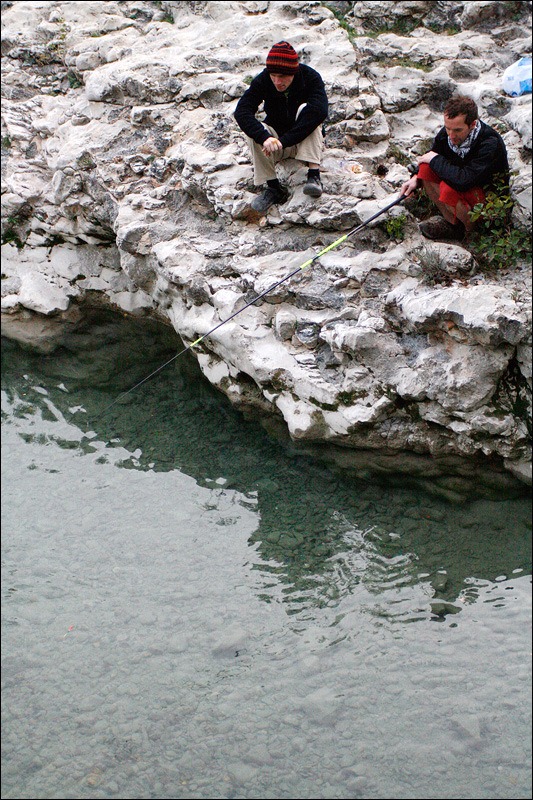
(519, 118)
(125, 174)
(487, 313)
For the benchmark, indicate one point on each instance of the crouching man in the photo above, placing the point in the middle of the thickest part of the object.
(295, 106)
(466, 160)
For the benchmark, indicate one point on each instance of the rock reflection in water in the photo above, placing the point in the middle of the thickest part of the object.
(322, 540)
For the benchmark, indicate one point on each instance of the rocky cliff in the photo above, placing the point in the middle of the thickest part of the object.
(126, 181)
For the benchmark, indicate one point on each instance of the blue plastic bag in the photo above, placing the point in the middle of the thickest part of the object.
(516, 79)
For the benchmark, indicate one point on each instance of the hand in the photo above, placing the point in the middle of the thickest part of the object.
(409, 186)
(426, 158)
(271, 145)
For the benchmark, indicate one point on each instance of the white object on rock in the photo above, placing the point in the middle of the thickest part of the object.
(516, 79)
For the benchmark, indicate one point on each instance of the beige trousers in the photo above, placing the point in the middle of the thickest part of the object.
(309, 150)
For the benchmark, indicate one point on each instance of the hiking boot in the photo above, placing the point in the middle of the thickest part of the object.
(270, 197)
(439, 229)
(313, 187)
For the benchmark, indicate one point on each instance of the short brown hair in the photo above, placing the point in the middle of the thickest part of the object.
(462, 105)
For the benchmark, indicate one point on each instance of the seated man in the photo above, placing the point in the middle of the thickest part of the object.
(296, 105)
(466, 158)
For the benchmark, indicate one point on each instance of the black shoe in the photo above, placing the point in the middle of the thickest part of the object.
(270, 197)
(439, 229)
(313, 187)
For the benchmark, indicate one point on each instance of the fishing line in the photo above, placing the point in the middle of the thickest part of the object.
(303, 266)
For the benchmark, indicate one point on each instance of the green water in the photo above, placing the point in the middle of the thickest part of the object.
(192, 610)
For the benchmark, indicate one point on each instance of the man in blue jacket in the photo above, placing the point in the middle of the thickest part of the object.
(467, 159)
(295, 106)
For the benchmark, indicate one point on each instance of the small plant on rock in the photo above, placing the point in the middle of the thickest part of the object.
(434, 268)
(397, 154)
(340, 17)
(395, 227)
(425, 64)
(496, 241)
(74, 80)
(11, 236)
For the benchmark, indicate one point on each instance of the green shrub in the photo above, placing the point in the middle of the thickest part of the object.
(495, 241)
(10, 236)
(339, 16)
(402, 26)
(401, 61)
(400, 156)
(434, 267)
(74, 80)
(395, 227)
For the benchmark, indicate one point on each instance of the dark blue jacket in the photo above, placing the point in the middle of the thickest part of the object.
(281, 107)
(487, 159)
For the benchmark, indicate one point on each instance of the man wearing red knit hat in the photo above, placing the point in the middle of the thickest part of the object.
(295, 106)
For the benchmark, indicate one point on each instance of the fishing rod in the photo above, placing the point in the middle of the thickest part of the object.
(303, 266)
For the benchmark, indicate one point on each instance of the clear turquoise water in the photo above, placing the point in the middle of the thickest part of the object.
(190, 610)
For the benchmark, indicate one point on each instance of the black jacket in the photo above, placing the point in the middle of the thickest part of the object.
(487, 159)
(281, 107)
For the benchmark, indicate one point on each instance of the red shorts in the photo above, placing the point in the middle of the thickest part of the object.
(449, 196)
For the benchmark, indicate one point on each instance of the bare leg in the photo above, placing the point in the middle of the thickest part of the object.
(460, 212)
(432, 190)
(463, 213)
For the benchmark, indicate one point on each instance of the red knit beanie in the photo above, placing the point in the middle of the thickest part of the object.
(282, 58)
